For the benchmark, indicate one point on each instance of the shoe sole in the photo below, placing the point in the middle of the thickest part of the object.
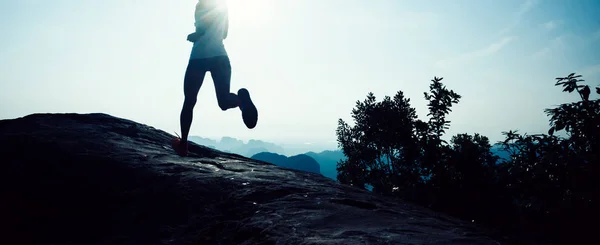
(249, 111)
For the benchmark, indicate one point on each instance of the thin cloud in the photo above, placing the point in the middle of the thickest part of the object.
(542, 52)
(551, 25)
(555, 45)
(523, 9)
(565, 43)
(590, 71)
(596, 35)
(491, 49)
(526, 6)
(495, 47)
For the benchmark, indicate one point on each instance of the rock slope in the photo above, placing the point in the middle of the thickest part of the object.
(96, 179)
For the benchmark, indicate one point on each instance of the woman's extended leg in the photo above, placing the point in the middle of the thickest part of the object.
(221, 74)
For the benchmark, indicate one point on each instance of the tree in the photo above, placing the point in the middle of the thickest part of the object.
(549, 184)
(554, 180)
(388, 147)
(440, 105)
(381, 148)
(468, 177)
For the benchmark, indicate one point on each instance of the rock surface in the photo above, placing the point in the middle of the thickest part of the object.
(96, 179)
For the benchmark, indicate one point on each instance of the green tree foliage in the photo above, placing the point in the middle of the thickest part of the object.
(380, 152)
(549, 183)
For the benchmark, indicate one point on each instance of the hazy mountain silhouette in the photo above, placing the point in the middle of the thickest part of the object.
(204, 141)
(233, 145)
(328, 161)
(297, 148)
(299, 162)
(500, 152)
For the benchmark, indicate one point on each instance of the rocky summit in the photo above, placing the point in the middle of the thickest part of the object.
(97, 179)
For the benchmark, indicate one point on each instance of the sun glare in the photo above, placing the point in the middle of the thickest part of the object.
(248, 10)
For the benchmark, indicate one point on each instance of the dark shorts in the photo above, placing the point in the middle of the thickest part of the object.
(220, 71)
(218, 65)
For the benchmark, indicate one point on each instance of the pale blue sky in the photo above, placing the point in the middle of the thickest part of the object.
(305, 62)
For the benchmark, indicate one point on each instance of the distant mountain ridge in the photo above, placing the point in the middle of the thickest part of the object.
(499, 151)
(299, 162)
(233, 145)
(326, 160)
